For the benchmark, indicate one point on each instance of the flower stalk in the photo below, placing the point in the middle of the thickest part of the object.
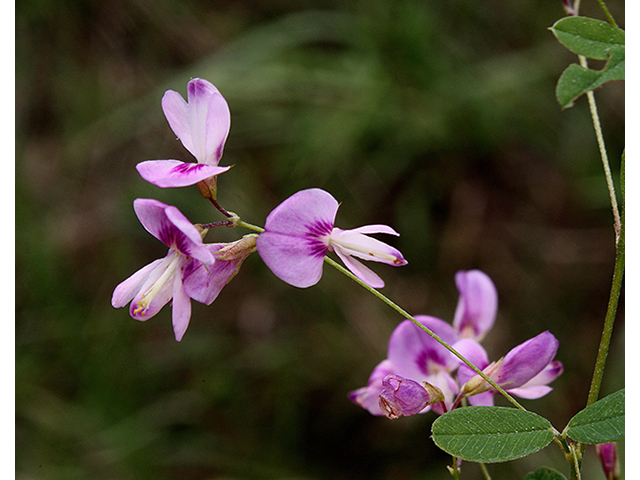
(406, 315)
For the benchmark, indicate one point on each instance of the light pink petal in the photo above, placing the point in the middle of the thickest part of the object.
(368, 397)
(297, 261)
(415, 354)
(472, 351)
(530, 393)
(308, 213)
(366, 248)
(477, 305)
(143, 311)
(447, 385)
(128, 289)
(181, 309)
(481, 400)
(218, 126)
(202, 123)
(359, 270)
(173, 173)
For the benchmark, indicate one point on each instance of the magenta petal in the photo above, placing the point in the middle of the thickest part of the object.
(203, 282)
(171, 227)
(173, 173)
(307, 213)
(415, 354)
(295, 260)
(477, 305)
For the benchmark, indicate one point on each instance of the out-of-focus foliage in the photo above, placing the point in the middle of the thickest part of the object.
(437, 118)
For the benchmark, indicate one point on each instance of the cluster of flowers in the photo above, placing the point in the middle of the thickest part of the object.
(419, 374)
(293, 244)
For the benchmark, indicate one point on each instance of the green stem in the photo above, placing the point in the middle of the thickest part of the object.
(485, 471)
(612, 308)
(406, 315)
(604, 8)
(605, 161)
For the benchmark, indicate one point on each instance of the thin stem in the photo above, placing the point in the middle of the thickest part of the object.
(241, 223)
(604, 8)
(220, 209)
(603, 155)
(612, 307)
(406, 315)
(485, 472)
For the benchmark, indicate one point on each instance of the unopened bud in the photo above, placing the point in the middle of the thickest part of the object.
(608, 455)
(402, 397)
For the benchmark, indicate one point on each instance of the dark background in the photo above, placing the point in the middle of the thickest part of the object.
(437, 118)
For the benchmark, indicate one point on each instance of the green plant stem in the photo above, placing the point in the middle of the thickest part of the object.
(406, 315)
(604, 8)
(485, 471)
(605, 160)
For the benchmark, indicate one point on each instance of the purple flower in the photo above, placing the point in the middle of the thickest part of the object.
(524, 372)
(190, 269)
(413, 355)
(477, 305)
(402, 397)
(300, 231)
(202, 124)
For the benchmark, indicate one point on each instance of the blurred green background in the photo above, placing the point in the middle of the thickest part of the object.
(437, 118)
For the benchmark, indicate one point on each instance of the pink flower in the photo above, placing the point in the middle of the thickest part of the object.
(524, 372)
(190, 270)
(300, 231)
(202, 124)
(415, 356)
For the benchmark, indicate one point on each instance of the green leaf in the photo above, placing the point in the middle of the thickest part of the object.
(577, 80)
(588, 37)
(491, 434)
(544, 473)
(601, 422)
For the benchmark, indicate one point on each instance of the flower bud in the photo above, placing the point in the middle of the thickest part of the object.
(608, 455)
(402, 397)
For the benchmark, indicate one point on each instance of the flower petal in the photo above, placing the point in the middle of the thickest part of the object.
(525, 361)
(369, 397)
(128, 289)
(359, 270)
(415, 354)
(202, 124)
(297, 261)
(181, 311)
(472, 351)
(171, 227)
(477, 305)
(359, 245)
(307, 213)
(148, 302)
(173, 173)
(203, 282)
(402, 397)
